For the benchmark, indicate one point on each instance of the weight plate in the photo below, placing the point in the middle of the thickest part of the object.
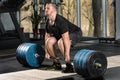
(84, 63)
(90, 63)
(24, 52)
(20, 55)
(78, 60)
(96, 70)
(30, 54)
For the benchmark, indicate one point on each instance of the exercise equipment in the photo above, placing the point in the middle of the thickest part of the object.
(30, 54)
(90, 63)
(87, 63)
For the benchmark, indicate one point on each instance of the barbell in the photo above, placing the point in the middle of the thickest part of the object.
(87, 63)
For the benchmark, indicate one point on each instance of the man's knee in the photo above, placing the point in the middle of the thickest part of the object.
(60, 42)
(51, 41)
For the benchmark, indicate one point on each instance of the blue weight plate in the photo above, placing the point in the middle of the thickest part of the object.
(17, 54)
(26, 54)
(78, 61)
(20, 53)
(76, 57)
(24, 51)
(84, 63)
(19, 49)
(30, 56)
(81, 59)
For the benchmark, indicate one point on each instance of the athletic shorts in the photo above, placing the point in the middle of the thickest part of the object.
(75, 37)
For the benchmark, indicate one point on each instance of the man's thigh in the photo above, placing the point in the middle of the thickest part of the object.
(50, 39)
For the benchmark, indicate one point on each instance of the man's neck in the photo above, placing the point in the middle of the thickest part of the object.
(52, 17)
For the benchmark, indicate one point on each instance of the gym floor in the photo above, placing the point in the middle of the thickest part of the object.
(11, 69)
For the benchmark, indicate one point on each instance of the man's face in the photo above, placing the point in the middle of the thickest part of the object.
(48, 9)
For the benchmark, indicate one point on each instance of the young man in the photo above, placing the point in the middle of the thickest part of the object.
(61, 32)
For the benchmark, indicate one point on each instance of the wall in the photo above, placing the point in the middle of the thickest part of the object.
(68, 10)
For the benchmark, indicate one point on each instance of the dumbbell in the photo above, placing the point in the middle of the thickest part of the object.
(90, 63)
(30, 54)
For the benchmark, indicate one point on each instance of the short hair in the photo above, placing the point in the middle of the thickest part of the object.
(53, 4)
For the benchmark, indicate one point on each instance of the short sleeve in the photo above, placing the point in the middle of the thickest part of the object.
(63, 26)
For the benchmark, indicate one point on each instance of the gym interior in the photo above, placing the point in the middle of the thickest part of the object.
(22, 23)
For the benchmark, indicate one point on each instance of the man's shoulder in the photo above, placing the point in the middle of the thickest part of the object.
(61, 18)
(58, 15)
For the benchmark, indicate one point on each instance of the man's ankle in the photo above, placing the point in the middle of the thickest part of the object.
(68, 64)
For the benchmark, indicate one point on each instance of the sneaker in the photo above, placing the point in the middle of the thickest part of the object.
(55, 66)
(68, 69)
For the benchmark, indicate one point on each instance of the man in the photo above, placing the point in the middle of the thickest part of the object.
(61, 32)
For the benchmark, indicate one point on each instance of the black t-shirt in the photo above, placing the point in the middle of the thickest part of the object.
(61, 25)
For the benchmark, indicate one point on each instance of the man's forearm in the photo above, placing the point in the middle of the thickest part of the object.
(67, 44)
